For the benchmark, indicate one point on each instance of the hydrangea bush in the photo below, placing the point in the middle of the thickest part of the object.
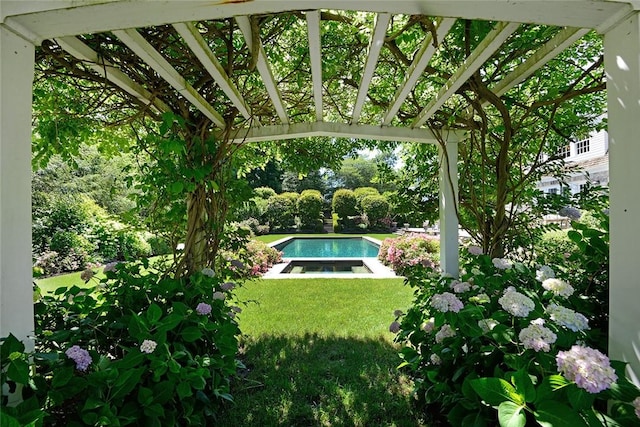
(139, 348)
(409, 250)
(506, 344)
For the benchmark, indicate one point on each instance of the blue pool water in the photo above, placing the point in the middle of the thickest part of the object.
(328, 248)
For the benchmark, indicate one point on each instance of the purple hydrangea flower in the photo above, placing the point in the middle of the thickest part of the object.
(587, 367)
(203, 308)
(475, 250)
(394, 327)
(227, 286)
(80, 356)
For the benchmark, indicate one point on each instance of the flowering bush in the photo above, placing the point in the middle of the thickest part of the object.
(252, 260)
(510, 338)
(409, 250)
(137, 349)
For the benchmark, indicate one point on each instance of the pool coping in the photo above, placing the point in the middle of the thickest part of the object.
(378, 270)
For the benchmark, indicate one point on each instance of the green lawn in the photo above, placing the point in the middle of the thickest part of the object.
(318, 353)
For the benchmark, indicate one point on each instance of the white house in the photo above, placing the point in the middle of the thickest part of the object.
(586, 160)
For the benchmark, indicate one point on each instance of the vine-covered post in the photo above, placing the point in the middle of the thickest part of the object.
(449, 208)
(16, 78)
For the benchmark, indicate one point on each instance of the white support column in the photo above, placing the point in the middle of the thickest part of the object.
(449, 252)
(622, 64)
(16, 292)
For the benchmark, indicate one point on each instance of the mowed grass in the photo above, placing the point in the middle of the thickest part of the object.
(318, 353)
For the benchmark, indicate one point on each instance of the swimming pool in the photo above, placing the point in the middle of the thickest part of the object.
(324, 247)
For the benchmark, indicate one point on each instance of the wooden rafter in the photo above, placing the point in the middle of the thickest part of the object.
(341, 130)
(201, 50)
(377, 41)
(104, 68)
(546, 53)
(415, 70)
(315, 54)
(264, 68)
(134, 40)
(485, 49)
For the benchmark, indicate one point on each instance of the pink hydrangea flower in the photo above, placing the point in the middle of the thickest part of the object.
(446, 301)
(537, 337)
(475, 250)
(429, 325)
(587, 367)
(445, 332)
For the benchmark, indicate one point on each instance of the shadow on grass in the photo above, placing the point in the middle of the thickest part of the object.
(320, 381)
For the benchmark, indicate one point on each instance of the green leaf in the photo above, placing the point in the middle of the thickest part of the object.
(184, 390)
(524, 385)
(62, 376)
(8, 421)
(511, 415)
(176, 187)
(580, 399)
(191, 334)
(154, 313)
(18, 371)
(494, 391)
(10, 345)
(555, 414)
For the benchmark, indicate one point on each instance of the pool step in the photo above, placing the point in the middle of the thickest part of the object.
(359, 269)
(297, 270)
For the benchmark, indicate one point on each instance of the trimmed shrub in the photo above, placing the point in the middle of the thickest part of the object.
(310, 210)
(264, 192)
(160, 245)
(280, 212)
(376, 208)
(361, 193)
(344, 203)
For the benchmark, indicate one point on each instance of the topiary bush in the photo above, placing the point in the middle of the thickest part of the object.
(376, 208)
(280, 212)
(361, 193)
(310, 210)
(345, 206)
(264, 192)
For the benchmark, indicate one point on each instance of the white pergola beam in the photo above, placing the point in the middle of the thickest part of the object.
(315, 55)
(201, 50)
(415, 70)
(263, 67)
(104, 68)
(134, 40)
(377, 41)
(71, 17)
(561, 41)
(338, 130)
(478, 57)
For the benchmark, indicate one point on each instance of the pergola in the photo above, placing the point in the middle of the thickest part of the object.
(26, 24)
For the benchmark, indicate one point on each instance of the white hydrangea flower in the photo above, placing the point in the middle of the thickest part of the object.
(568, 318)
(545, 272)
(516, 303)
(558, 287)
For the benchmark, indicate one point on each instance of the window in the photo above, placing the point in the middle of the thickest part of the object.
(582, 146)
(564, 152)
(553, 191)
